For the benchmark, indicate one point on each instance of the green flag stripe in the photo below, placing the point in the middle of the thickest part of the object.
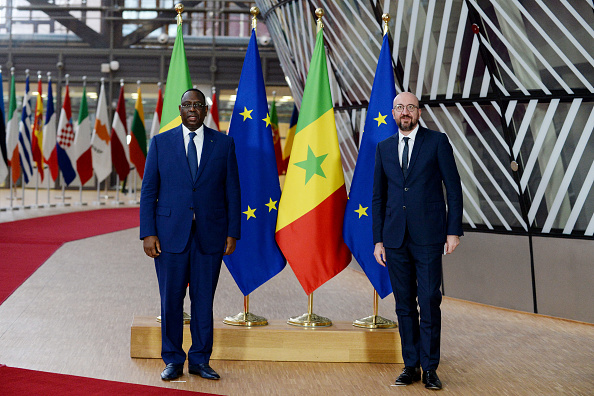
(317, 99)
(84, 111)
(12, 105)
(139, 131)
(178, 80)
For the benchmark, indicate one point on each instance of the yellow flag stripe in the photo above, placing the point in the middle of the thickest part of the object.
(299, 198)
(172, 124)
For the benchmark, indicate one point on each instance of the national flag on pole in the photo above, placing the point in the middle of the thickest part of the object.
(212, 119)
(178, 82)
(65, 140)
(25, 151)
(100, 141)
(12, 133)
(290, 137)
(278, 152)
(119, 133)
(82, 142)
(379, 125)
(257, 257)
(3, 154)
(138, 137)
(311, 210)
(157, 116)
(50, 150)
(37, 134)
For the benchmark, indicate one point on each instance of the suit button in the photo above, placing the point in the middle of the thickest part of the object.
(405, 188)
(404, 207)
(191, 208)
(193, 189)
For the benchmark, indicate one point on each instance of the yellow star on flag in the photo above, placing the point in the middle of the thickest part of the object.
(250, 213)
(381, 119)
(267, 119)
(362, 211)
(246, 113)
(271, 205)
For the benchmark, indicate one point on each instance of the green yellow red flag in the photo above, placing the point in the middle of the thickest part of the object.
(311, 208)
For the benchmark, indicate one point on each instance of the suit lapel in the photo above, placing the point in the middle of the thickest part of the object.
(207, 146)
(416, 148)
(392, 147)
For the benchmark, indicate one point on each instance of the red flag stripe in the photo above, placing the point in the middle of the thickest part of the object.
(319, 242)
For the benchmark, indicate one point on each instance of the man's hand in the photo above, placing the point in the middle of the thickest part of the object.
(451, 242)
(230, 246)
(152, 246)
(380, 253)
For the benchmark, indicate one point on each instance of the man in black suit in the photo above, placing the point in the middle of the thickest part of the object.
(190, 216)
(411, 230)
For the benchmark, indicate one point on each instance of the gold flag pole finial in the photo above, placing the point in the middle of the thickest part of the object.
(386, 19)
(179, 8)
(255, 11)
(320, 14)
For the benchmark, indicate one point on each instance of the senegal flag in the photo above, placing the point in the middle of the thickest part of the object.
(178, 82)
(311, 208)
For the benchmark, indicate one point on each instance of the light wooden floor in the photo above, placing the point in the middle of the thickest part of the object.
(73, 316)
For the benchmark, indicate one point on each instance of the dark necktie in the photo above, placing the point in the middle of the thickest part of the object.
(405, 157)
(192, 156)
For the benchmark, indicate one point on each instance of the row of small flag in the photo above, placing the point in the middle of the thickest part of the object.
(33, 142)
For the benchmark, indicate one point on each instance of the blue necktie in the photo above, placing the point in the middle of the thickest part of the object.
(192, 156)
(404, 157)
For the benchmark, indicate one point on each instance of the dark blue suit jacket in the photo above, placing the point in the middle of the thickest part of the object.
(170, 198)
(417, 202)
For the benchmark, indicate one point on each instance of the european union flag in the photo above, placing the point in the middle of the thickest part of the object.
(257, 257)
(379, 125)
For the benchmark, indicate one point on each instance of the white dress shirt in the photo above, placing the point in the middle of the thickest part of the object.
(411, 141)
(198, 140)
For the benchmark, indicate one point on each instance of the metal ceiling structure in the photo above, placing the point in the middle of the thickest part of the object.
(510, 82)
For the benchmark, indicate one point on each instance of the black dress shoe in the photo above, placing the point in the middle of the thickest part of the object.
(431, 380)
(172, 371)
(203, 370)
(408, 376)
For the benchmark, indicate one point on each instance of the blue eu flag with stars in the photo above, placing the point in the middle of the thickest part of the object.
(379, 125)
(257, 257)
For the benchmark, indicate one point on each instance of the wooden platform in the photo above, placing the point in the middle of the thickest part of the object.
(341, 342)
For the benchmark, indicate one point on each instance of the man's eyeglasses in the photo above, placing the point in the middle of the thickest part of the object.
(411, 107)
(195, 106)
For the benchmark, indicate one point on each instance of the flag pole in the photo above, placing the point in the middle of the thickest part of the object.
(37, 179)
(246, 318)
(310, 319)
(375, 321)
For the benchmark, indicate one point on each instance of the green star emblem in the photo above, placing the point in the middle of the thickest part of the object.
(312, 165)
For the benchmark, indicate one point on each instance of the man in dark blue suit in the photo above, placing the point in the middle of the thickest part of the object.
(411, 230)
(189, 218)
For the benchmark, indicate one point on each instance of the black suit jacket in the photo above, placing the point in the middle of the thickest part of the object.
(416, 203)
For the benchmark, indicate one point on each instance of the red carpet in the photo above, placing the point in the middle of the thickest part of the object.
(15, 381)
(26, 244)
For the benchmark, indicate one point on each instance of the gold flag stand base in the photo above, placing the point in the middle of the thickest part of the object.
(375, 321)
(246, 318)
(309, 319)
(187, 318)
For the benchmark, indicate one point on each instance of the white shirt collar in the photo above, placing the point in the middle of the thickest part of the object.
(199, 131)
